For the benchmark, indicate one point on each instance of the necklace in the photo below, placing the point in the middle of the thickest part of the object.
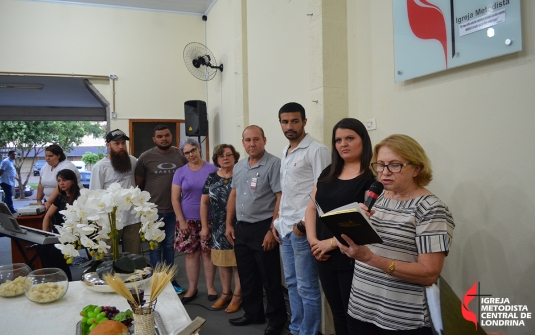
(401, 196)
(226, 178)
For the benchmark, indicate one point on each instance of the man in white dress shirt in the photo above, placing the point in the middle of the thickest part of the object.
(302, 161)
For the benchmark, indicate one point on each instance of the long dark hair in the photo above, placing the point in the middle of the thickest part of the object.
(337, 163)
(75, 189)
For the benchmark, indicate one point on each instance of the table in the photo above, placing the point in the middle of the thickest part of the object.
(32, 221)
(23, 317)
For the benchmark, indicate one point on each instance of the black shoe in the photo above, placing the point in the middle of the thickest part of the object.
(212, 297)
(270, 330)
(185, 300)
(243, 321)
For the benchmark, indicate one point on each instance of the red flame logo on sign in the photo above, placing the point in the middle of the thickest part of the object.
(469, 296)
(427, 22)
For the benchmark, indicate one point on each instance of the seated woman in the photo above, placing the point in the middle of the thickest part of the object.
(69, 191)
(387, 292)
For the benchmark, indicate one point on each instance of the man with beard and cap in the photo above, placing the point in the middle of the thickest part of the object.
(154, 171)
(303, 160)
(118, 167)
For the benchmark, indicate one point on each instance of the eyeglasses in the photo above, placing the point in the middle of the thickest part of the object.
(192, 151)
(225, 156)
(392, 167)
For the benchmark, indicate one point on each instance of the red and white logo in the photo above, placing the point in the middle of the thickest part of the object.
(427, 22)
(467, 312)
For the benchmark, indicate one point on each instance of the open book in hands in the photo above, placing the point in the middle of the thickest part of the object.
(350, 220)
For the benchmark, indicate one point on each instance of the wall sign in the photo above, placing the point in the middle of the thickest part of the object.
(436, 35)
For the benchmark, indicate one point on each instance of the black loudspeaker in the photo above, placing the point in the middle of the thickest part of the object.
(196, 118)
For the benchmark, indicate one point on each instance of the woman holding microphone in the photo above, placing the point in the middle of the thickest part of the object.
(387, 293)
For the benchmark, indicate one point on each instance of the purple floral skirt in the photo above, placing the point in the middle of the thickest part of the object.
(191, 243)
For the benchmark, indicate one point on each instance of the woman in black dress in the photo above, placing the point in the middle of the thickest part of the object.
(215, 195)
(345, 181)
(68, 192)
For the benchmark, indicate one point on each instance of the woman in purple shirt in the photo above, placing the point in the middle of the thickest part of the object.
(186, 193)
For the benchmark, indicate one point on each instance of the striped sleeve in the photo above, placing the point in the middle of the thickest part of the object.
(434, 226)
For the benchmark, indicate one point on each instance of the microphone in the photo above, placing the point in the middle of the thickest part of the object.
(375, 189)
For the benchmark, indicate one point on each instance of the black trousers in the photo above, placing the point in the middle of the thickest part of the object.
(258, 268)
(336, 285)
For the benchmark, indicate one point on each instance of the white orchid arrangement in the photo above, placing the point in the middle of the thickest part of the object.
(96, 216)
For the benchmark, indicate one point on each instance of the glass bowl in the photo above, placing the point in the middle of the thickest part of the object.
(46, 285)
(12, 279)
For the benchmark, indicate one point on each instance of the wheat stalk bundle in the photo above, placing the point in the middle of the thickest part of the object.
(117, 284)
(162, 275)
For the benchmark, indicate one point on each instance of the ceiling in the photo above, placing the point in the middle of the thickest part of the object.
(197, 7)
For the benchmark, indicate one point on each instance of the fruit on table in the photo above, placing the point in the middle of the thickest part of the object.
(92, 315)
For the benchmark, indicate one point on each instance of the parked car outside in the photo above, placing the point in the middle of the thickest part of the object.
(37, 167)
(28, 191)
(85, 177)
(80, 165)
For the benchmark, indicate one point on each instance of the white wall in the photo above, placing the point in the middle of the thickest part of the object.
(221, 91)
(278, 63)
(278, 72)
(475, 123)
(144, 49)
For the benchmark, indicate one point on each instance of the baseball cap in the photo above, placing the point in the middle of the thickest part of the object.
(116, 134)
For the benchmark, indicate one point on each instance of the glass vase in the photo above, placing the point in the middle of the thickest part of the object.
(144, 318)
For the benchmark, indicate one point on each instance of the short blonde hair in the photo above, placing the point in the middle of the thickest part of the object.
(409, 149)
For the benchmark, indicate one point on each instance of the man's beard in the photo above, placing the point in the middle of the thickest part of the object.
(164, 147)
(120, 161)
(294, 134)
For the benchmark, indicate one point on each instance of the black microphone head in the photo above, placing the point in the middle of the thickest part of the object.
(377, 187)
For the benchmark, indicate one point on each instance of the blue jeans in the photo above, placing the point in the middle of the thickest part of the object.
(167, 246)
(8, 193)
(301, 274)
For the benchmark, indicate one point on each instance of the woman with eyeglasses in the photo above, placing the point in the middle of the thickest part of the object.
(387, 293)
(214, 199)
(345, 181)
(186, 192)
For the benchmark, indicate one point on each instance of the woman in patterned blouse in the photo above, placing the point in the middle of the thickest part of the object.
(215, 194)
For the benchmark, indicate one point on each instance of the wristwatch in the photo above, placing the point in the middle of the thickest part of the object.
(391, 268)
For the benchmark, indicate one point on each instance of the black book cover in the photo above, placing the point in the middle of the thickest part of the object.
(354, 225)
(351, 221)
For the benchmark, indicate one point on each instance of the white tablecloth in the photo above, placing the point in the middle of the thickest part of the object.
(20, 316)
